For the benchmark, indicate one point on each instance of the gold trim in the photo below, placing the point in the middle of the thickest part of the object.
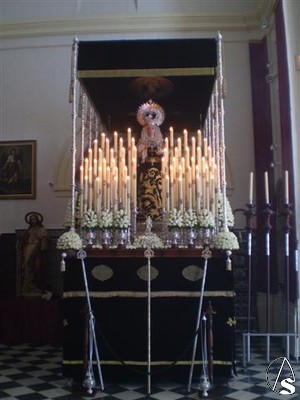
(145, 363)
(154, 294)
(129, 73)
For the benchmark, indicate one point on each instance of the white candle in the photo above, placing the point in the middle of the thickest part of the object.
(115, 194)
(107, 149)
(129, 138)
(198, 190)
(95, 167)
(251, 188)
(267, 199)
(116, 143)
(180, 193)
(96, 194)
(179, 147)
(189, 202)
(81, 177)
(193, 147)
(85, 193)
(185, 138)
(95, 148)
(171, 138)
(134, 183)
(99, 157)
(90, 157)
(167, 193)
(199, 138)
(103, 141)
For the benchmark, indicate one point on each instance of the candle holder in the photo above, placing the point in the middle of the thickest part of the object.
(287, 213)
(250, 214)
(267, 213)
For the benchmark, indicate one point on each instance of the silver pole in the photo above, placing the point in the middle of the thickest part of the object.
(204, 379)
(206, 254)
(73, 100)
(89, 381)
(149, 254)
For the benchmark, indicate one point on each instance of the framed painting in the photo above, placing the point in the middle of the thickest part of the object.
(18, 169)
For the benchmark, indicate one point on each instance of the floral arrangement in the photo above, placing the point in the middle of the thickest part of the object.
(106, 219)
(190, 218)
(230, 216)
(121, 220)
(69, 241)
(89, 219)
(175, 219)
(205, 219)
(151, 241)
(225, 241)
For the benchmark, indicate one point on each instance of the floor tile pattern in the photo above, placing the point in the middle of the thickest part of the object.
(29, 372)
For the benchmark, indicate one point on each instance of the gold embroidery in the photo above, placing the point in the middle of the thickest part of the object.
(154, 294)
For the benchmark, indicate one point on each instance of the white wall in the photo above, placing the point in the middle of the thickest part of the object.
(34, 87)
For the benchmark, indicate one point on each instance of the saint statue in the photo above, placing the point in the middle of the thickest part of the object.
(150, 115)
(150, 150)
(32, 244)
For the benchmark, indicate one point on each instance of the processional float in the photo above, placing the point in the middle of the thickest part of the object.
(192, 187)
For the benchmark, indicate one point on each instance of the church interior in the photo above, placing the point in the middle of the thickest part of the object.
(148, 191)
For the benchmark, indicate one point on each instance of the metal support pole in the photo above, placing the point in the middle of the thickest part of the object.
(267, 212)
(89, 381)
(149, 254)
(206, 254)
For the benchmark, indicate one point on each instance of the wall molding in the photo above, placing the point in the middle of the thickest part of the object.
(109, 24)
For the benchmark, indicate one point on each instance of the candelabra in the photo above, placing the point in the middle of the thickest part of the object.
(250, 214)
(287, 213)
(267, 213)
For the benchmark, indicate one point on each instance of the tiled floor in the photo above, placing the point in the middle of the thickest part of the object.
(29, 372)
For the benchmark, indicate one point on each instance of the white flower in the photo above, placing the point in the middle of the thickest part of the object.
(205, 219)
(230, 216)
(90, 219)
(121, 220)
(175, 219)
(151, 241)
(225, 241)
(69, 240)
(190, 218)
(106, 219)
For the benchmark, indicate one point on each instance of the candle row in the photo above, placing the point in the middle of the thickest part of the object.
(189, 173)
(108, 175)
(266, 188)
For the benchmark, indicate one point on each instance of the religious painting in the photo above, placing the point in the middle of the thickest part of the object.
(18, 169)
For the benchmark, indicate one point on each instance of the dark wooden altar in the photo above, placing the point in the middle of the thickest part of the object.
(117, 282)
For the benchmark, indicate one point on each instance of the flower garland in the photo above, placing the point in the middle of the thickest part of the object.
(121, 220)
(106, 219)
(69, 241)
(89, 219)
